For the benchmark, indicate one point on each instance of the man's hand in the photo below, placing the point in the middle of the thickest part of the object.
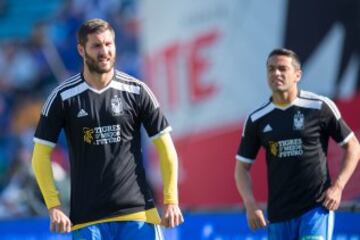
(172, 216)
(331, 198)
(255, 217)
(59, 222)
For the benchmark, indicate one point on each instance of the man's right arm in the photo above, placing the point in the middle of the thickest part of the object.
(41, 164)
(255, 215)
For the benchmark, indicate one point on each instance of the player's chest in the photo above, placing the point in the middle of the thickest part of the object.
(294, 123)
(91, 109)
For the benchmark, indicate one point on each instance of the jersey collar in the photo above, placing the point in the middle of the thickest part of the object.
(96, 90)
(284, 107)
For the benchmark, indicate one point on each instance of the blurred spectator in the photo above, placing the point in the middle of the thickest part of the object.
(62, 33)
(15, 66)
(126, 23)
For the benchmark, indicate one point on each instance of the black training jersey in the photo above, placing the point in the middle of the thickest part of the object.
(296, 140)
(102, 129)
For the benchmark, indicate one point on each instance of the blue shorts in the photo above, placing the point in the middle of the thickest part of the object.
(127, 230)
(316, 224)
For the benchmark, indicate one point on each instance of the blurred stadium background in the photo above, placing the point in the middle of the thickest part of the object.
(205, 60)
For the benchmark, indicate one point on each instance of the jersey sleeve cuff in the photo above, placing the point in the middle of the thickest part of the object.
(166, 130)
(45, 142)
(243, 159)
(347, 139)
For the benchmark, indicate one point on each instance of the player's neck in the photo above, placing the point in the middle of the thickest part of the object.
(96, 80)
(284, 98)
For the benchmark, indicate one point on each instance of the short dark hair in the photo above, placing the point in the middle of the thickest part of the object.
(285, 52)
(92, 26)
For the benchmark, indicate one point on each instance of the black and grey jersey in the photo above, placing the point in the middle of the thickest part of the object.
(102, 129)
(295, 139)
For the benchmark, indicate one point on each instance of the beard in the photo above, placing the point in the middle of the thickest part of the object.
(94, 66)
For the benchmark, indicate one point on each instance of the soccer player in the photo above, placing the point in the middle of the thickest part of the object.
(101, 111)
(294, 128)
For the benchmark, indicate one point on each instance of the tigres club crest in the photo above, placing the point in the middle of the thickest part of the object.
(298, 121)
(117, 107)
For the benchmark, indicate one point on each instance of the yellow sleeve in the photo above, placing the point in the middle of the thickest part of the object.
(168, 166)
(41, 164)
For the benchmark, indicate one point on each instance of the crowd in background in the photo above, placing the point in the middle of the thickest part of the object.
(31, 66)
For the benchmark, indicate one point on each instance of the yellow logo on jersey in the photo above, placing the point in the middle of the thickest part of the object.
(274, 146)
(88, 135)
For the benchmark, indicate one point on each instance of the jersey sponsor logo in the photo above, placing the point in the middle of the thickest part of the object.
(88, 135)
(102, 135)
(286, 148)
(274, 146)
(117, 107)
(267, 128)
(82, 113)
(298, 121)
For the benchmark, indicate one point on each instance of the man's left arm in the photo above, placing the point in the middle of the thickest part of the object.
(169, 172)
(332, 196)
